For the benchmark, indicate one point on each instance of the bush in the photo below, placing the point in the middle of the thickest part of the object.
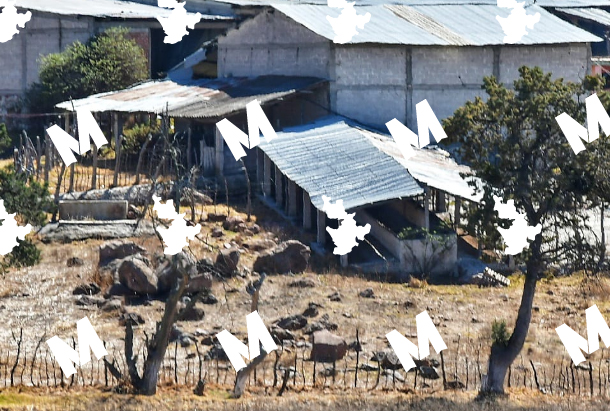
(135, 136)
(109, 61)
(26, 254)
(499, 333)
(5, 140)
(26, 197)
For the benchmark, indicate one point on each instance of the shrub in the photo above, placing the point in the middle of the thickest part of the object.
(26, 254)
(5, 140)
(499, 333)
(135, 136)
(26, 197)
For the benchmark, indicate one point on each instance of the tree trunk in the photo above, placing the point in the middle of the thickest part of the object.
(502, 356)
(156, 350)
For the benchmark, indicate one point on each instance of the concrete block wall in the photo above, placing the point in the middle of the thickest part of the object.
(270, 43)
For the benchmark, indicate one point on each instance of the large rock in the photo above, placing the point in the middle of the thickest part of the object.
(117, 249)
(260, 245)
(137, 276)
(288, 257)
(69, 231)
(227, 260)
(327, 347)
(199, 280)
(294, 322)
(387, 359)
(193, 313)
(87, 289)
(232, 223)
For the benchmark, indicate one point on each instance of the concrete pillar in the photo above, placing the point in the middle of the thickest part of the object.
(427, 208)
(292, 198)
(279, 192)
(266, 175)
(458, 212)
(306, 211)
(343, 260)
(321, 227)
(441, 207)
(219, 154)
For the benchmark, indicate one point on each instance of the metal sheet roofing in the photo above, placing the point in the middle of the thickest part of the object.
(447, 24)
(593, 14)
(103, 8)
(543, 3)
(205, 98)
(433, 167)
(333, 158)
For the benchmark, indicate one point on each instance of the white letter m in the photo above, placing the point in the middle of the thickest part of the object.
(574, 343)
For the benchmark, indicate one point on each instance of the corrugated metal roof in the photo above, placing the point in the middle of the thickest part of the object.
(593, 14)
(103, 8)
(433, 167)
(205, 98)
(333, 158)
(463, 24)
(543, 3)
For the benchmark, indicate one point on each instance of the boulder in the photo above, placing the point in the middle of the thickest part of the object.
(86, 289)
(217, 232)
(335, 296)
(280, 334)
(259, 245)
(118, 249)
(133, 318)
(322, 324)
(428, 373)
(199, 280)
(294, 322)
(288, 257)
(209, 299)
(137, 276)
(87, 300)
(192, 313)
(327, 347)
(227, 261)
(368, 293)
(387, 359)
(311, 310)
(233, 222)
(111, 305)
(117, 289)
(75, 262)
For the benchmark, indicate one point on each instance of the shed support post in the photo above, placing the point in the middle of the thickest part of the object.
(279, 192)
(321, 227)
(292, 198)
(343, 260)
(458, 212)
(267, 175)
(219, 154)
(440, 201)
(427, 208)
(260, 168)
(306, 211)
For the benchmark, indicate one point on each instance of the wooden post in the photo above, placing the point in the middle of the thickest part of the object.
(189, 148)
(117, 148)
(306, 211)
(321, 227)
(427, 208)
(267, 176)
(279, 193)
(458, 212)
(219, 142)
(38, 157)
(67, 129)
(441, 207)
(343, 260)
(292, 198)
(47, 157)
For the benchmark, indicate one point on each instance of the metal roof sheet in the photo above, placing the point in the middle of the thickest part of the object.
(593, 14)
(205, 98)
(334, 158)
(463, 24)
(103, 8)
(433, 167)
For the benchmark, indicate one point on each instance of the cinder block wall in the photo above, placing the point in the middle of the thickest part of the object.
(376, 83)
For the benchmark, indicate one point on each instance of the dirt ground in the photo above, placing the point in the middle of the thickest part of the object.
(39, 299)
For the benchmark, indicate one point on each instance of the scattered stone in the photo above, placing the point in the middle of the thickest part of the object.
(368, 293)
(536, 309)
(118, 249)
(113, 304)
(259, 245)
(393, 375)
(193, 313)
(217, 232)
(347, 315)
(232, 223)
(241, 227)
(409, 304)
(335, 296)
(133, 212)
(209, 340)
(186, 340)
(227, 261)
(75, 262)
(387, 359)
(368, 367)
(428, 373)
(87, 300)
(311, 310)
(216, 218)
(288, 257)
(294, 322)
(355, 346)
(322, 324)
(198, 281)
(327, 347)
(455, 385)
(475, 320)
(216, 353)
(281, 335)
(134, 318)
(137, 276)
(86, 289)
(209, 299)
(255, 229)
(303, 283)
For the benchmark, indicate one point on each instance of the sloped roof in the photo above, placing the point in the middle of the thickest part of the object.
(432, 24)
(334, 158)
(103, 8)
(204, 98)
(593, 14)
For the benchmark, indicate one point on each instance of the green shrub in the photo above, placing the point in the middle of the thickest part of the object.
(26, 254)
(135, 136)
(499, 333)
(26, 197)
(5, 140)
